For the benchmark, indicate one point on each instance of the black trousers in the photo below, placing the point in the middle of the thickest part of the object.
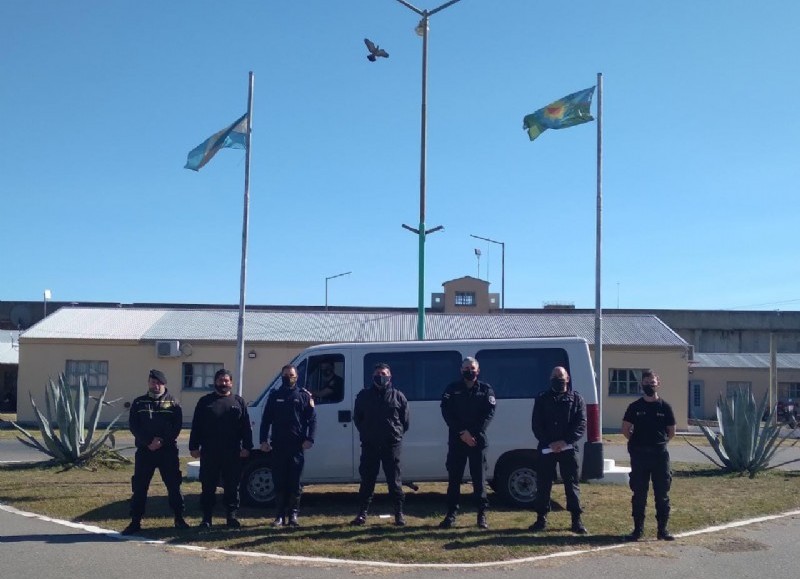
(567, 461)
(372, 457)
(287, 467)
(226, 466)
(650, 463)
(164, 459)
(458, 454)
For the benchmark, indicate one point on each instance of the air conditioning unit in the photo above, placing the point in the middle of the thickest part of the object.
(168, 348)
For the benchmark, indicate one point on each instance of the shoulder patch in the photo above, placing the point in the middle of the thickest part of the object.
(311, 402)
(492, 400)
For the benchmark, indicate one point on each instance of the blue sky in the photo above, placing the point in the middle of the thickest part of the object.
(102, 100)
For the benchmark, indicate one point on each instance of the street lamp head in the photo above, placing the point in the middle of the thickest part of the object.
(422, 27)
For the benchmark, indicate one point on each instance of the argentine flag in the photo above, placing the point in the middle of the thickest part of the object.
(232, 137)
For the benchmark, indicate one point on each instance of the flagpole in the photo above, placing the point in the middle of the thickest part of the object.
(245, 227)
(598, 311)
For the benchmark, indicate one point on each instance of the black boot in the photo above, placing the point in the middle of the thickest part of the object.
(133, 527)
(663, 531)
(577, 525)
(448, 521)
(232, 522)
(540, 524)
(638, 530)
(180, 522)
(294, 510)
(482, 524)
(361, 518)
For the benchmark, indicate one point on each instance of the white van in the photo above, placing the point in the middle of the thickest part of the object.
(517, 369)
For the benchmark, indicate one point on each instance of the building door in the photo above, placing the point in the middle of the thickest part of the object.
(696, 399)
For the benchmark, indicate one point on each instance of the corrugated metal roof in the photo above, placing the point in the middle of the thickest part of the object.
(788, 361)
(9, 347)
(321, 327)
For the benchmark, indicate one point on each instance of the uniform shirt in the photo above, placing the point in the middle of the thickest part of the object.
(160, 417)
(558, 416)
(221, 425)
(291, 415)
(470, 409)
(381, 415)
(650, 421)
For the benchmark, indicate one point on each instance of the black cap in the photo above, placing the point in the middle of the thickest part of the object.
(158, 375)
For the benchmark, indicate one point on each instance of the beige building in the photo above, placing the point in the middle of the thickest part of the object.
(118, 346)
(715, 375)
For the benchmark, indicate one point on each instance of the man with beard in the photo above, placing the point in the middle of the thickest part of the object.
(381, 417)
(291, 416)
(558, 423)
(155, 421)
(649, 424)
(221, 437)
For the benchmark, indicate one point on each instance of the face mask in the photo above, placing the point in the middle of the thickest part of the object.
(224, 390)
(648, 389)
(156, 391)
(288, 381)
(381, 381)
(470, 375)
(558, 384)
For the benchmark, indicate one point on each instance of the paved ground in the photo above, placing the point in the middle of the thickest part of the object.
(32, 547)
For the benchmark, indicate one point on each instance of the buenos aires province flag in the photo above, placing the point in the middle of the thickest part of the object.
(232, 137)
(566, 112)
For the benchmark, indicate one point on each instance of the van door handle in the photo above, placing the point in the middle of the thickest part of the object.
(345, 416)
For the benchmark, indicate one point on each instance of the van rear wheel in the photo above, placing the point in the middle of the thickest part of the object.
(516, 482)
(258, 487)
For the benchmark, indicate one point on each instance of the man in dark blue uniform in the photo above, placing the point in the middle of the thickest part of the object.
(381, 417)
(221, 437)
(291, 416)
(467, 407)
(558, 422)
(649, 424)
(155, 421)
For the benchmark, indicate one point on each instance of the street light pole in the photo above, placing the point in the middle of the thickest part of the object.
(502, 268)
(422, 30)
(326, 285)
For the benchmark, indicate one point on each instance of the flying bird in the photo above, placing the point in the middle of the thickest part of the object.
(374, 51)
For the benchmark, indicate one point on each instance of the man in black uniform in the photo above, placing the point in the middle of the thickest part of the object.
(467, 407)
(558, 422)
(331, 385)
(290, 414)
(221, 437)
(155, 421)
(381, 417)
(649, 424)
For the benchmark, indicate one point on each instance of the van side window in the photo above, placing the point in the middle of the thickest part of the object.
(520, 373)
(419, 375)
(325, 378)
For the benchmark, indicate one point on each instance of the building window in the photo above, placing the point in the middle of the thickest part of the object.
(465, 298)
(199, 376)
(624, 381)
(94, 373)
(732, 386)
(789, 390)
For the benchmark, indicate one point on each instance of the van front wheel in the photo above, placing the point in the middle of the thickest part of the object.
(258, 487)
(516, 482)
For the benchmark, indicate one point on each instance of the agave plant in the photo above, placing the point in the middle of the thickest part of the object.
(68, 428)
(743, 444)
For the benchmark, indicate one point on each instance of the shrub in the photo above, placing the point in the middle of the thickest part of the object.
(743, 444)
(68, 429)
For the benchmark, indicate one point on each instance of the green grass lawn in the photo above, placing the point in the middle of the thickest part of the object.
(700, 497)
